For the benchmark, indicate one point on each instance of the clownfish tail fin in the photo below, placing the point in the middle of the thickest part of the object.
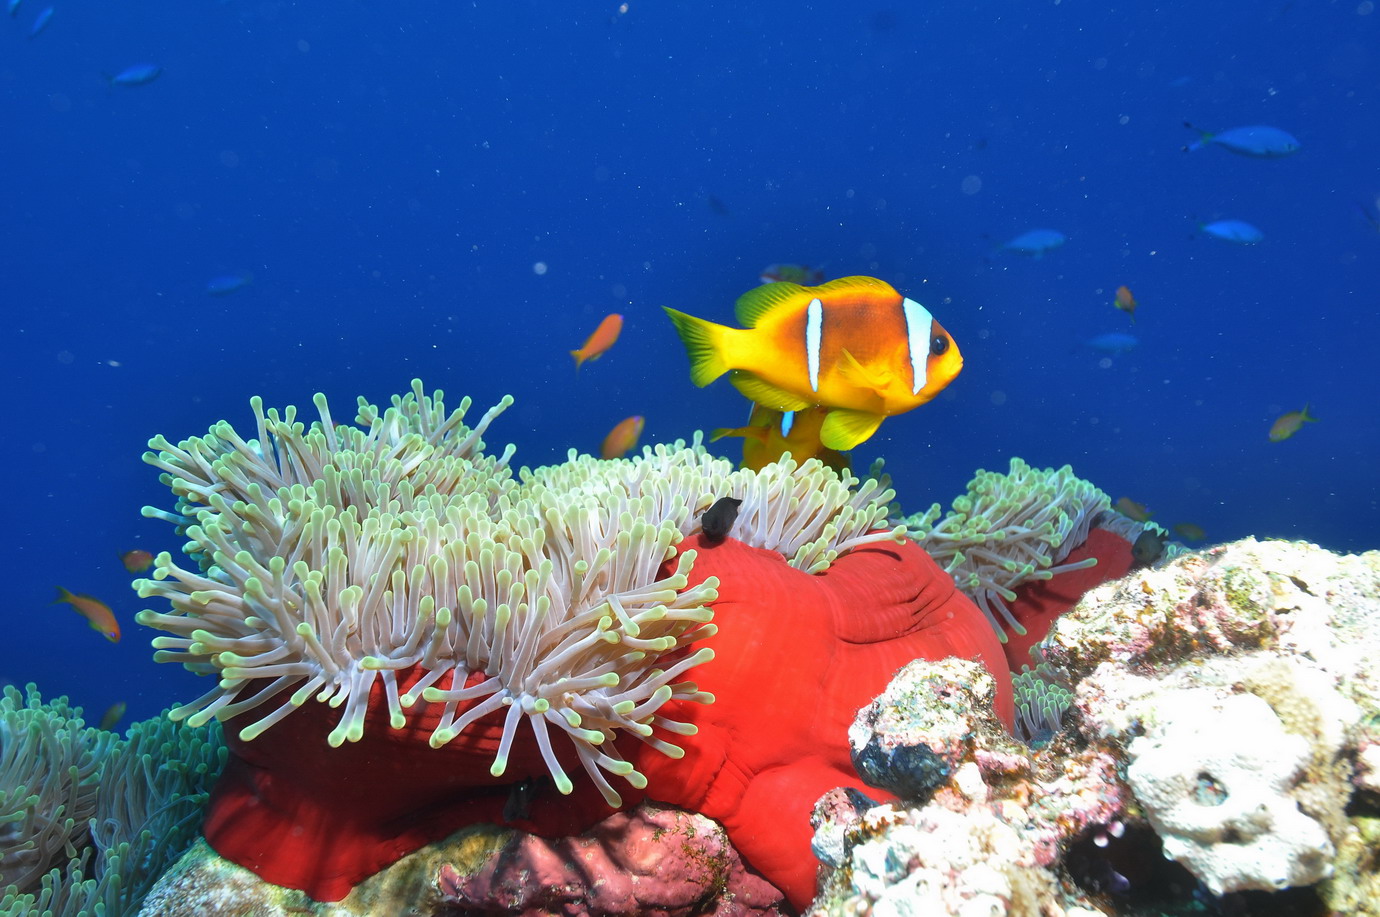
(703, 343)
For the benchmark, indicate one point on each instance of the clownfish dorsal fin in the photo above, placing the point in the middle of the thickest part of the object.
(845, 428)
(764, 393)
(769, 297)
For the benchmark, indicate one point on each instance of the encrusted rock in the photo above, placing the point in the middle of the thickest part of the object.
(1226, 711)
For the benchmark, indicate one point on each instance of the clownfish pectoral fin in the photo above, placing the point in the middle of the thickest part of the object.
(861, 376)
(844, 428)
(703, 343)
(766, 394)
(757, 433)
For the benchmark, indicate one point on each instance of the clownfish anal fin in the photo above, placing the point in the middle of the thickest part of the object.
(843, 428)
(764, 393)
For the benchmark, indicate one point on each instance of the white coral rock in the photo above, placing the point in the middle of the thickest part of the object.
(1214, 774)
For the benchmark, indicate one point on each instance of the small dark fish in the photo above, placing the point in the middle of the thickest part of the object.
(518, 805)
(718, 520)
(1148, 548)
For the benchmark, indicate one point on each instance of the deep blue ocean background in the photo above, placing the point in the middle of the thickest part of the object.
(459, 191)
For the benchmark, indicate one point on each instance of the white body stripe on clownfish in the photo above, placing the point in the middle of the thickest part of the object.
(853, 345)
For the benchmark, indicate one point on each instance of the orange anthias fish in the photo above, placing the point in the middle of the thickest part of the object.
(622, 438)
(137, 561)
(1286, 425)
(96, 613)
(1126, 302)
(853, 345)
(1133, 510)
(802, 274)
(601, 340)
(771, 435)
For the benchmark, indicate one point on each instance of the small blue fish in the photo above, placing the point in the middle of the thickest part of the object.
(1238, 231)
(1257, 141)
(1113, 342)
(1036, 242)
(14, 8)
(136, 75)
(226, 284)
(41, 22)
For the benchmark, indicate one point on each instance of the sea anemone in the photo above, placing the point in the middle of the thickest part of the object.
(332, 556)
(89, 820)
(1008, 530)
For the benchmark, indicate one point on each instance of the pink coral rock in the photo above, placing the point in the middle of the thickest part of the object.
(647, 862)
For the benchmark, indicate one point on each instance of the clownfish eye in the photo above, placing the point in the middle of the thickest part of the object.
(938, 344)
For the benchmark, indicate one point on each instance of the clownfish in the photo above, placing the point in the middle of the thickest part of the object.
(601, 340)
(771, 435)
(853, 345)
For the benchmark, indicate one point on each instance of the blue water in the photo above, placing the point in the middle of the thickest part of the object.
(390, 177)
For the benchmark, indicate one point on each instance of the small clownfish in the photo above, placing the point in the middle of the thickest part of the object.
(137, 561)
(773, 435)
(601, 340)
(1286, 425)
(853, 345)
(718, 520)
(1126, 302)
(96, 612)
(622, 438)
(802, 274)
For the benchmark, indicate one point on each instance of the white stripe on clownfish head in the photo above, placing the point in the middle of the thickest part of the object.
(919, 326)
(814, 321)
(787, 421)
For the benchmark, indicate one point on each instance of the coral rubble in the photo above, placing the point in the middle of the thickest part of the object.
(1222, 753)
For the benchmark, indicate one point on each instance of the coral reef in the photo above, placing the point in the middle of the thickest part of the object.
(648, 861)
(463, 621)
(1027, 544)
(1219, 755)
(89, 820)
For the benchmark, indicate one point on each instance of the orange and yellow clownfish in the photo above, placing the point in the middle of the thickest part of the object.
(601, 340)
(96, 613)
(770, 435)
(622, 438)
(853, 345)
